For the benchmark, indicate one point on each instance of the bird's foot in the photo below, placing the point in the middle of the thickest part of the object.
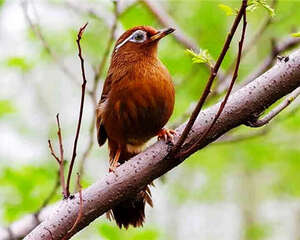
(113, 167)
(167, 135)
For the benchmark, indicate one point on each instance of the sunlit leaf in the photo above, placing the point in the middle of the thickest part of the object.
(260, 3)
(20, 63)
(295, 34)
(202, 57)
(227, 9)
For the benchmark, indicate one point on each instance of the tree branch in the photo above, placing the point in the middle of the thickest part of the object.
(37, 31)
(142, 169)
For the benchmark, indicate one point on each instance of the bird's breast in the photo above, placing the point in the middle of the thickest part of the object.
(140, 104)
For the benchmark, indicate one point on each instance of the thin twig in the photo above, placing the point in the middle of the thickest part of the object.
(267, 118)
(107, 49)
(61, 162)
(212, 76)
(249, 46)
(37, 31)
(234, 77)
(277, 48)
(242, 137)
(79, 35)
(52, 151)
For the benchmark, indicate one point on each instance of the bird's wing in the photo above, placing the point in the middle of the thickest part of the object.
(112, 77)
(101, 133)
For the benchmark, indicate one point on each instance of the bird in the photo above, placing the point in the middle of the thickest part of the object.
(137, 101)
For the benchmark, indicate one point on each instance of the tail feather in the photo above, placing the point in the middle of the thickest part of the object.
(131, 211)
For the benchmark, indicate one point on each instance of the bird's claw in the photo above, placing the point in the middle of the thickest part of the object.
(113, 168)
(167, 135)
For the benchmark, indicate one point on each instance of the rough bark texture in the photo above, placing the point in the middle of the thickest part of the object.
(133, 175)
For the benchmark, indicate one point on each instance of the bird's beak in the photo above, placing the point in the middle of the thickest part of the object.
(162, 33)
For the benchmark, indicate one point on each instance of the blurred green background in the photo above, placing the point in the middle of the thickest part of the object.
(247, 189)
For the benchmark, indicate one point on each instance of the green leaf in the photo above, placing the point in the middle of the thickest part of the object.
(24, 189)
(260, 3)
(202, 57)
(20, 63)
(295, 34)
(228, 10)
(6, 107)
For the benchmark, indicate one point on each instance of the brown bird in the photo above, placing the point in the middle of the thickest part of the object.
(136, 102)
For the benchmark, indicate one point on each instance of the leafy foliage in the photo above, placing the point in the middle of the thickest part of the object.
(24, 189)
(202, 57)
(228, 10)
(296, 34)
(253, 4)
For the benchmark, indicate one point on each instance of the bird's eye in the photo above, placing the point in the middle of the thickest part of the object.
(139, 36)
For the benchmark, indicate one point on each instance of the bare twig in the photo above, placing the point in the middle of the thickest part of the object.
(37, 31)
(79, 35)
(107, 49)
(242, 137)
(61, 162)
(249, 46)
(277, 48)
(234, 77)
(52, 151)
(212, 76)
(267, 118)
(102, 16)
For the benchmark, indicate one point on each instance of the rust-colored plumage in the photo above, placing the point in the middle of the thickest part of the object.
(136, 102)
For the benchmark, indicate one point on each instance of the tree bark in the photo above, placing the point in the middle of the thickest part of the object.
(130, 177)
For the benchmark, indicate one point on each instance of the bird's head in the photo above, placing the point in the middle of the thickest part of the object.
(140, 40)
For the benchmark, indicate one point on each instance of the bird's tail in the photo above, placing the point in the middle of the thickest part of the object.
(131, 211)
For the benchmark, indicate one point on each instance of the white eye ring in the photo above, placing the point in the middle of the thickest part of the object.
(138, 36)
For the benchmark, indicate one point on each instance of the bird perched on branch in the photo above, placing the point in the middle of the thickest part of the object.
(136, 102)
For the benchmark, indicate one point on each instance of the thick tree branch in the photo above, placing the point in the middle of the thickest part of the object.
(139, 171)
